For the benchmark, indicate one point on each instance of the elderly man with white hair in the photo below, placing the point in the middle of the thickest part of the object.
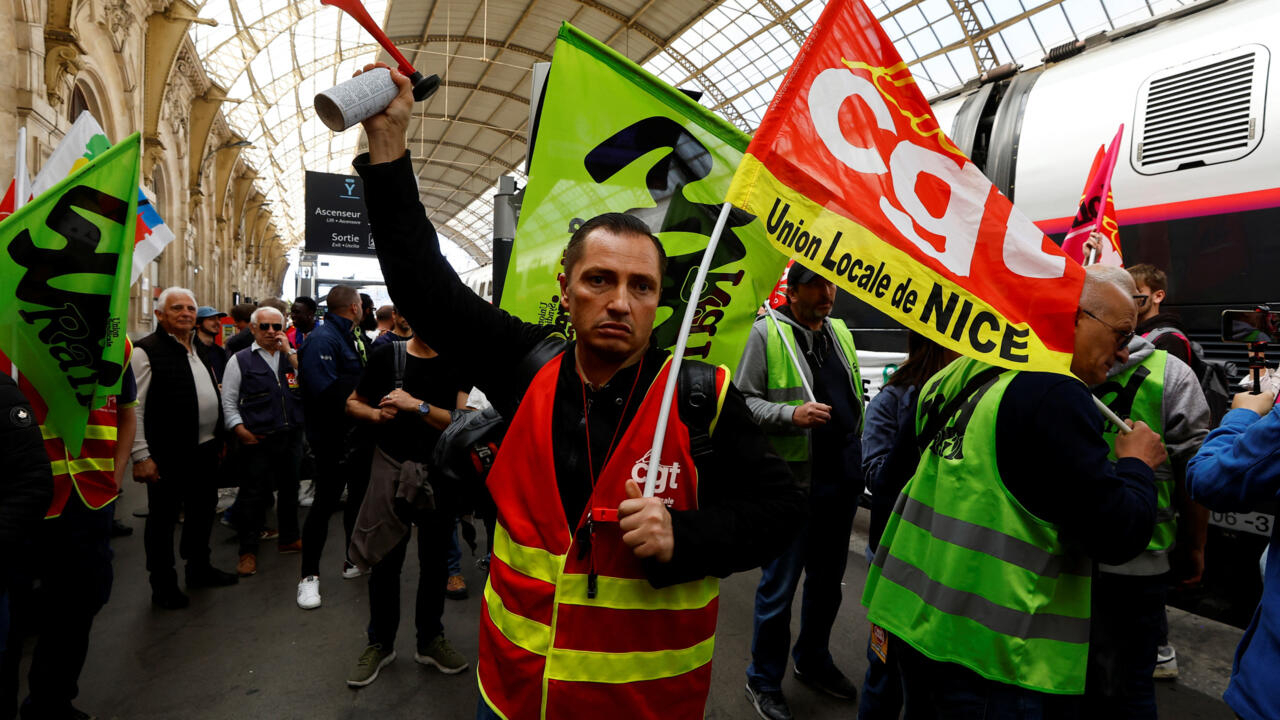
(176, 451)
(262, 407)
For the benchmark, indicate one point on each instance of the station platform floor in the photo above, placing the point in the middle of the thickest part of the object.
(248, 651)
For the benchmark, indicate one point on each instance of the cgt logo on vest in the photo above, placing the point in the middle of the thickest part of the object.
(668, 476)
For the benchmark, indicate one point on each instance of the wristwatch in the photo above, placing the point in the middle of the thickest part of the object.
(424, 408)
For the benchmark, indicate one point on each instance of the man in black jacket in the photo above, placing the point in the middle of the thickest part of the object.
(176, 453)
(749, 506)
(27, 486)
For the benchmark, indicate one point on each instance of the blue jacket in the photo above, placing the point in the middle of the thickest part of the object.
(329, 366)
(1238, 466)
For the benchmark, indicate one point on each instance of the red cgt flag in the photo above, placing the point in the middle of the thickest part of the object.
(855, 179)
(1096, 214)
(778, 297)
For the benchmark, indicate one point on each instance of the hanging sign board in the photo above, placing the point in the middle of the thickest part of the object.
(337, 222)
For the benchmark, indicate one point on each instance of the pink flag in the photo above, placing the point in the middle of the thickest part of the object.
(1093, 206)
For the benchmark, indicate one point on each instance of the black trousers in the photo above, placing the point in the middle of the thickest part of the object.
(338, 463)
(70, 558)
(270, 465)
(434, 527)
(1128, 614)
(187, 484)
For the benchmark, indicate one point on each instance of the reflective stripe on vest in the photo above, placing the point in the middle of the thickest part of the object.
(964, 574)
(785, 384)
(1138, 393)
(91, 475)
(548, 649)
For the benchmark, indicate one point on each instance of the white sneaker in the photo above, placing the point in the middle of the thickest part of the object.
(1166, 663)
(309, 592)
(306, 493)
(350, 571)
(226, 497)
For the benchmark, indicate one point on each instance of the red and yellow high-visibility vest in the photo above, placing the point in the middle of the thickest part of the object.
(91, 474)
(548, 649)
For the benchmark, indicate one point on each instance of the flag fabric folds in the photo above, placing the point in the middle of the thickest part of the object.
(612, 137)
(855, 180)
(65, 261)
(1097, 213)
(84, 141)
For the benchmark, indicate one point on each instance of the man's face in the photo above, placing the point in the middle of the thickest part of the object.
(812, 301)
(209, 325)
(303, 317)
(612, 295)
(274, 323)
(1097, 345)
(178, 316)
(1151, 306)
(401, 325)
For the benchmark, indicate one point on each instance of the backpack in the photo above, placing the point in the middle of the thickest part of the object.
(1214, 375)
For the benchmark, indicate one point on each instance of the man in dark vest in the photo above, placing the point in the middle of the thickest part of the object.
(176, 454)
(262, 404)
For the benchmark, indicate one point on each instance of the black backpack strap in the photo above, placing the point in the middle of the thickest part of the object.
(938, 421)
(402, 358)
(698, 404)
(541, 354)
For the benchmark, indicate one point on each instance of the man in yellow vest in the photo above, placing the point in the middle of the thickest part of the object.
(1129, 599)
(983, 575)
(796, 350)
(69, 555)
(600, 602)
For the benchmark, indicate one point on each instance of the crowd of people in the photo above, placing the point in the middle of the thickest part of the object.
(1020, 549)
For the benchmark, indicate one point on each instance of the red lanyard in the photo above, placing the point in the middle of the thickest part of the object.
(587, 546)
(586, 423)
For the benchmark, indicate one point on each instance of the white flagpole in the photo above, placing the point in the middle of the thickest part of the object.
(660, 432)
(808, 391)
(20, 192)
(1114, 418)
(20, 189)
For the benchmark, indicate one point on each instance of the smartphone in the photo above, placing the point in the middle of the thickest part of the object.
(1249, 326)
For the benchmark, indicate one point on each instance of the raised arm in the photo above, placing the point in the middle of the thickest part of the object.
(450, 317)
(1239, 463)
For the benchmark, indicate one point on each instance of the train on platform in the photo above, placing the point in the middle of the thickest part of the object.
(1197, 188)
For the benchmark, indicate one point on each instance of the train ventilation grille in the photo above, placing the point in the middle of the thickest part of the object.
(1205, 112)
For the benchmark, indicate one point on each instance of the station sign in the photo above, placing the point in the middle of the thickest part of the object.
(337, 221)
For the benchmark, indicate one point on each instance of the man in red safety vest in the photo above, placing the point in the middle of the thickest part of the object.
(69, 555)
(600, 602)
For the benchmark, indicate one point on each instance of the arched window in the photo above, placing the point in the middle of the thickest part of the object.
(83, 100)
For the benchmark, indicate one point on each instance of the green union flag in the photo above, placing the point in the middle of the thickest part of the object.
(65, 260)
(611, 137)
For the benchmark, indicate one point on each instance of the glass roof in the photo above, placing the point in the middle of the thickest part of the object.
(273, 56)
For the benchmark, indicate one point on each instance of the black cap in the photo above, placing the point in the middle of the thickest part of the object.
(799, 275)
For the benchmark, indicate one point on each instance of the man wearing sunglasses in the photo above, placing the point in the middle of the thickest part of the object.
(1163, 329)
(983, 573)
(262, 404)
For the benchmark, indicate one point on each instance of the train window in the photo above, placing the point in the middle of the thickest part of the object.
(1200, 113)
